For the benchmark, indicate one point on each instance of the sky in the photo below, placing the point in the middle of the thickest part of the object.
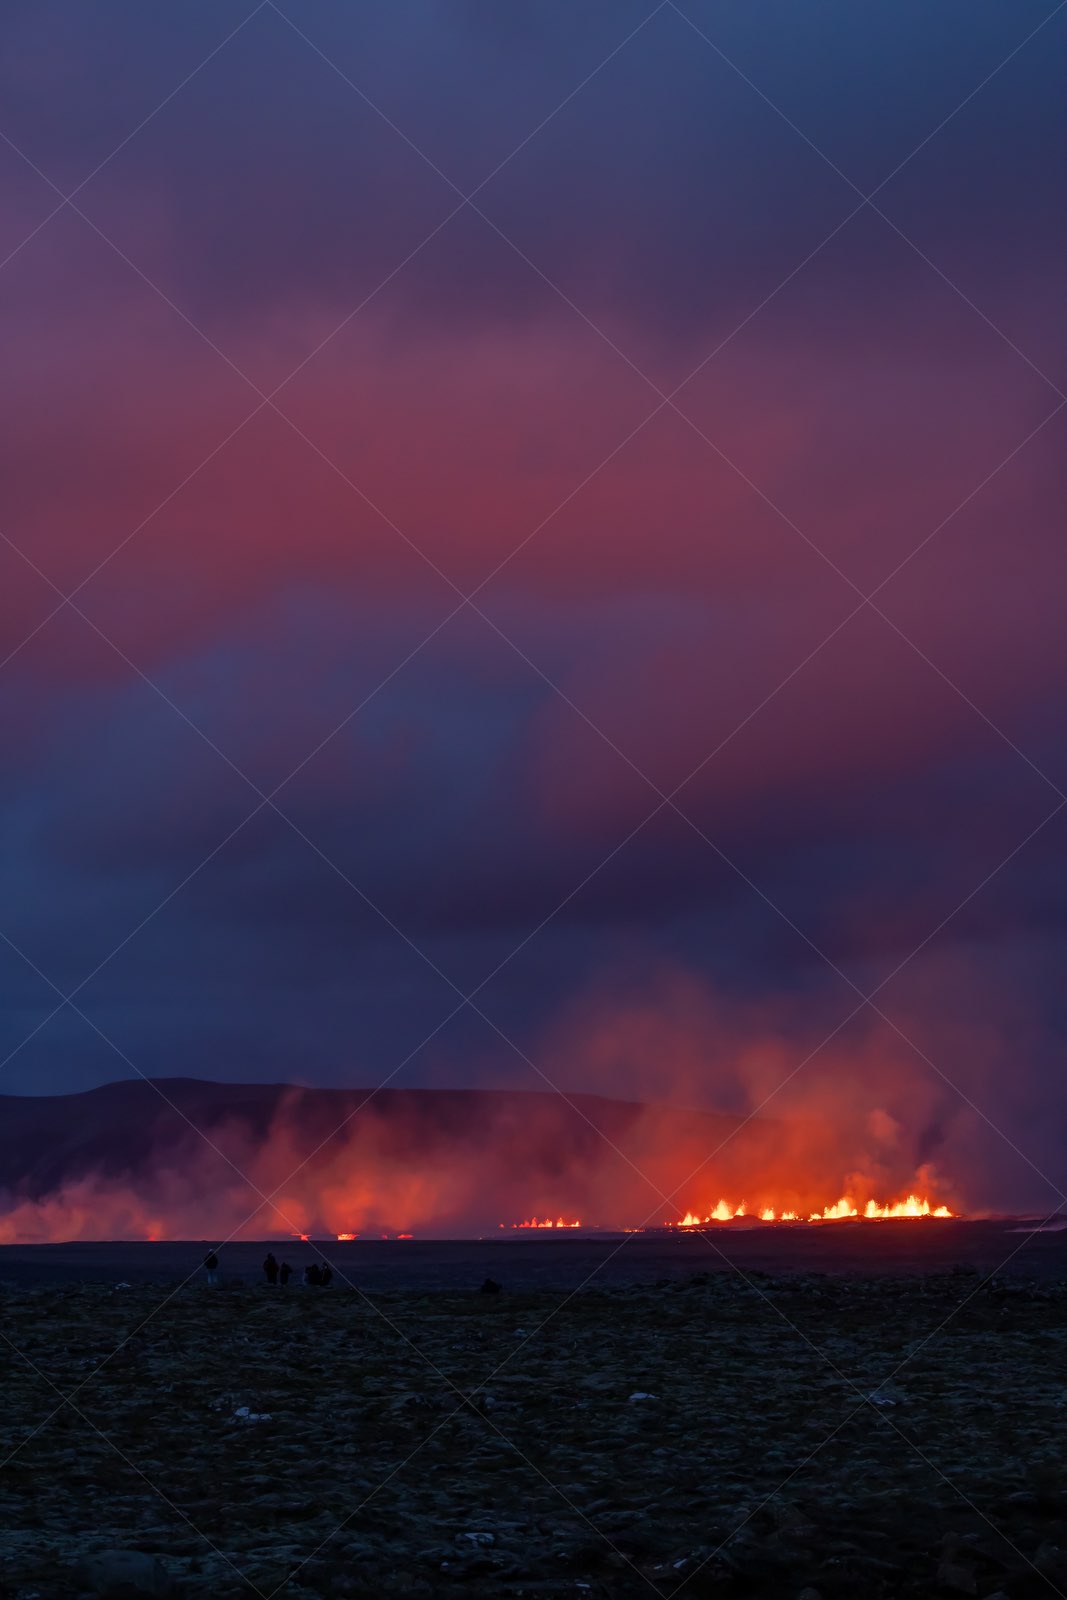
(532, 554)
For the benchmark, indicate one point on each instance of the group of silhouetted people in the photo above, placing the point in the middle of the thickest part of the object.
(276, 1272)
(317, 1275)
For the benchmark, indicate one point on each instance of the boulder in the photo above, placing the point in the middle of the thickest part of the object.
(126, 1575)
(956, 1578)
(1051, 1562)
(786, 1516)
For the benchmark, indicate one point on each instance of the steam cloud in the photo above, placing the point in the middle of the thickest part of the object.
(866, 1116)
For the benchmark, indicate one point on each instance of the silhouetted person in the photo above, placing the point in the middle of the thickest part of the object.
(490, 1286)
(211, 1264)
(312, 1275)
(325, 1275)
(285, 1272)
(270, 1267)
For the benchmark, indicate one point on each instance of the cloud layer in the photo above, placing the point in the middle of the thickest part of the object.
(668, 401)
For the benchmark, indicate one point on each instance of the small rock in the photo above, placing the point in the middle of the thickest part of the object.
(887, 1394)
(476, 1540)
(115, 1573)
(1051, 1562)
(809, 1594)
(246, 1414)
(785, 1515)
(956, 1579)
(639, 1394)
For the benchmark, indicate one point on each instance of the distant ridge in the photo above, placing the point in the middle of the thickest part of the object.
(127, 1132)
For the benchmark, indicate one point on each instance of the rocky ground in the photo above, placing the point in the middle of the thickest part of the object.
(794, 1435)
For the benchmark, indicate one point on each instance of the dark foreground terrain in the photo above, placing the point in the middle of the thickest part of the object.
(711, 1434)
(550, 1260)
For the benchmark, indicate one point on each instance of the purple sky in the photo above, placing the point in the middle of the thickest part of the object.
(668, 398)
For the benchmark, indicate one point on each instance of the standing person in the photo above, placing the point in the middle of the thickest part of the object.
(325, 1275)
(270, 1267)
(285, 1272)
(211, 1264)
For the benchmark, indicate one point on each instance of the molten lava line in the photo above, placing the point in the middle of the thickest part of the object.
(545, 1222)
(848, 1208)
(913, 1206)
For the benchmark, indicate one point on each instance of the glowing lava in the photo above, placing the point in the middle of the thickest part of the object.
(911, 1207)
(841, 1209)
(545, 1222)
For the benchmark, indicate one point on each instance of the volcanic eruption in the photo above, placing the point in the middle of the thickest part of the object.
(186, 1159)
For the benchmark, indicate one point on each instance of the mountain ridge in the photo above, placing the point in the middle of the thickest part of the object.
(532, 1148)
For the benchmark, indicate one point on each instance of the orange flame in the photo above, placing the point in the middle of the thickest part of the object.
(545, 1222)
(721, 1213)
(913, 1206)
